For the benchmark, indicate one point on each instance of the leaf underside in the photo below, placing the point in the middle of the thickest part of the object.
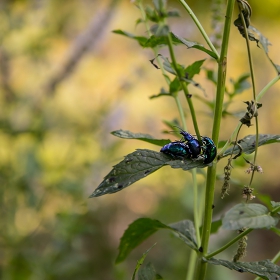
(265, 269)
(138, 165)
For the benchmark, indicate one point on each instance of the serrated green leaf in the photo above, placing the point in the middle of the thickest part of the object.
(193, 69)
(126, 134)
(248, 143)
(251, 215)
(141, 261)
(148, 272)
(140, 39)
(140, 230)
(265, 269)
(138, 165)
(190, 44)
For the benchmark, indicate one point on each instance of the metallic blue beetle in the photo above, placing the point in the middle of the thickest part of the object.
(176, 149)
(193, 143)
(209, 149)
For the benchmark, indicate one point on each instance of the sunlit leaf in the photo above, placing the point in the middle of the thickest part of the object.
(126, 134)
(140, 262)
(142, 228)
(148, 272)
(248, 143)
(265, 269)
(251, 215)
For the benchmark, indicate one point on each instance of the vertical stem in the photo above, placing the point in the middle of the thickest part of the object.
(211, 172)
(253, 86)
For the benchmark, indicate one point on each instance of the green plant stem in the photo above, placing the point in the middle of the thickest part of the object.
(267, 87)
(211, 172)
(184, 87)
(195, 208)
(234, 240)
(240, 6)
(191, 265)
(258, 98)
(200, 27)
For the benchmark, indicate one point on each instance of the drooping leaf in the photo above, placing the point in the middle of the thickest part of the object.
(265, 43)
(251, 215)
(138, 165)
(265, 269)
(190, 44)
(140, 262)
(248, 143)
(126, 134)
(141, 229)
(186, 232)
(148, 272)
(163, 92)
(140, 39)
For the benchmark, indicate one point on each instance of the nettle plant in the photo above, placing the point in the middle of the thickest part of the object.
(191, 152)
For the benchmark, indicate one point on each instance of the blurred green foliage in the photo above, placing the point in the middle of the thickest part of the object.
(55, 145)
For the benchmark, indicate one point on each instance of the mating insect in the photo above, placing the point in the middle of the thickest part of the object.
(209, 150)
(191, 148)
(176, 149)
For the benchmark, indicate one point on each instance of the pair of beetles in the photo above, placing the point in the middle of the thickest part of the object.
(190, 147)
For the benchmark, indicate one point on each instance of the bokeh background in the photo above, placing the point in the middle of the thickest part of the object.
(66, 82)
